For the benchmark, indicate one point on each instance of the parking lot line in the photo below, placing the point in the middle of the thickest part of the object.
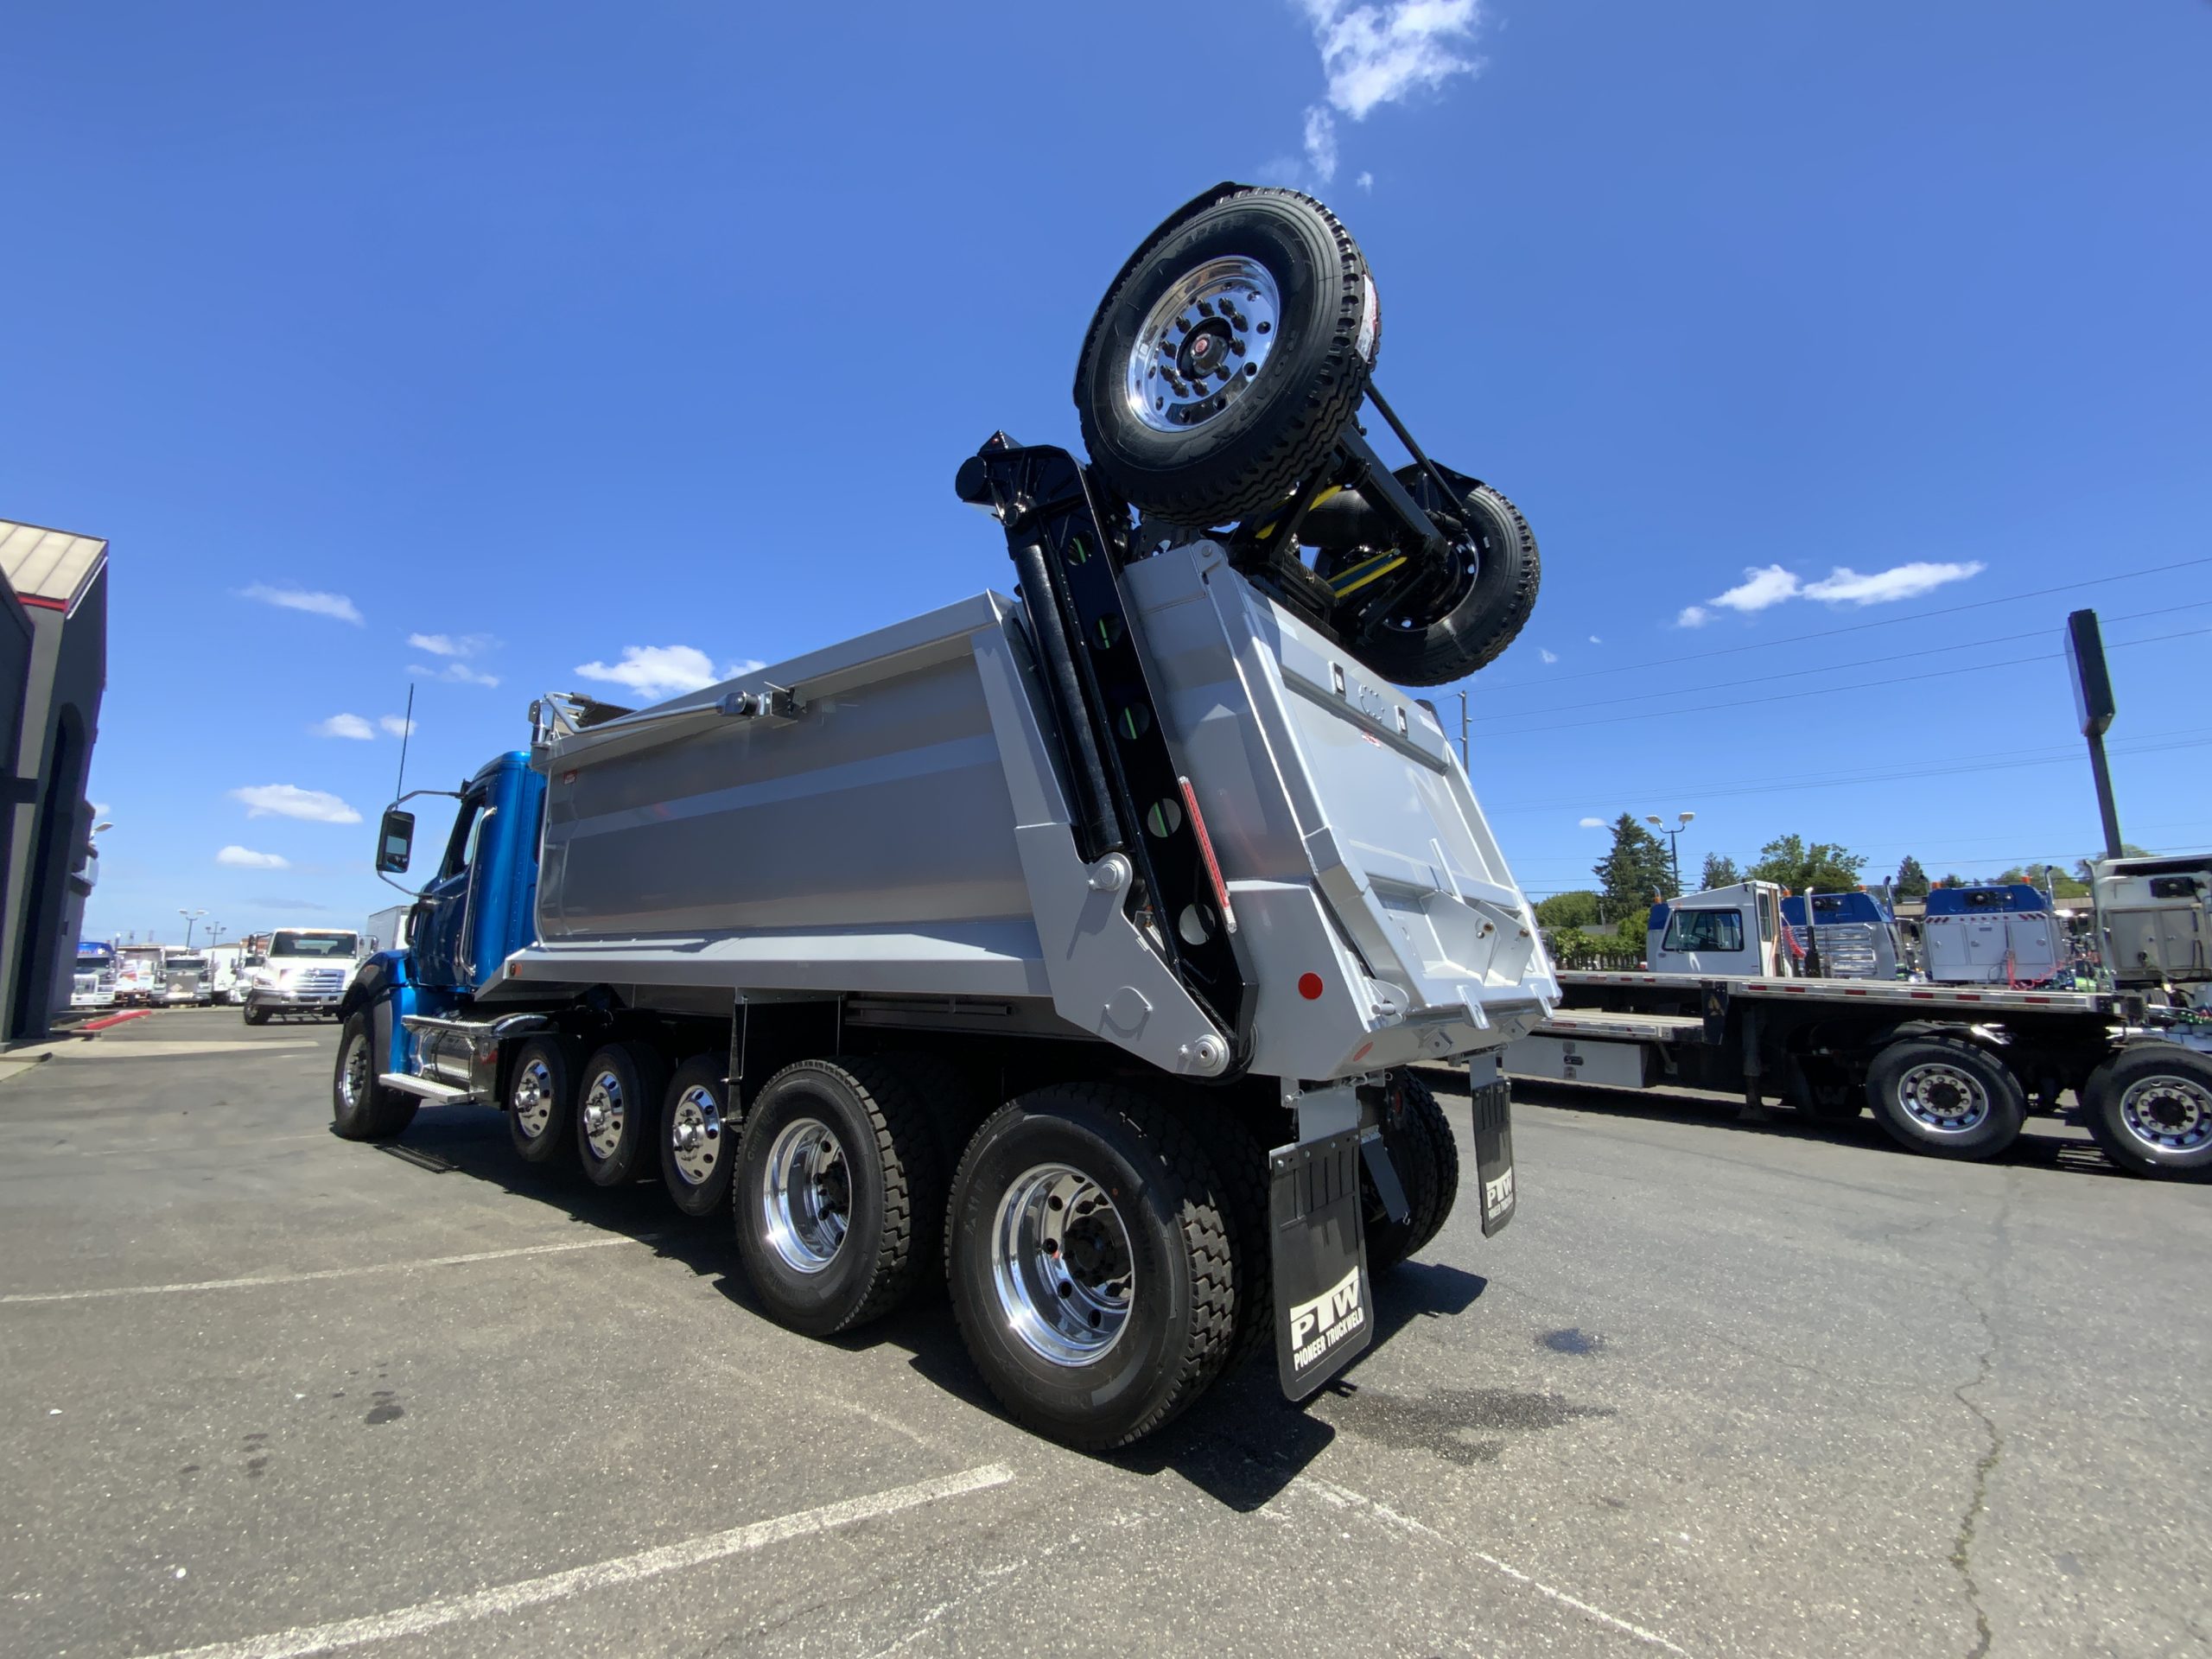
(625, 1569)
(320, 1272)
(1344, 1497)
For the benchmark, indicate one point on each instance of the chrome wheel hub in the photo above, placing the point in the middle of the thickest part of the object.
(806, 1195)
(353, 1079)
(1203, 344)
(2172, 1113)
(1945, 1098)
(531, 1099)
(603, 1114)
(1062, 1265)
(696, 1136)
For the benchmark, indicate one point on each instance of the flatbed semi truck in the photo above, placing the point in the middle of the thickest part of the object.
(1074, 948)
(1951, 1071)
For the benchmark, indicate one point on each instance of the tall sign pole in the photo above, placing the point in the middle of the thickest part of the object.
(2092, 704)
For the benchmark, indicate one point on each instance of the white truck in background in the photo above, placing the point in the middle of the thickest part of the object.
(2154, 924)
(305, 972)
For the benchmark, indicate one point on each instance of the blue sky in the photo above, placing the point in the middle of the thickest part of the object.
(541, 340)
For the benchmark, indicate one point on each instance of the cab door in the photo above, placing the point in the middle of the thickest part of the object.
(441, 912)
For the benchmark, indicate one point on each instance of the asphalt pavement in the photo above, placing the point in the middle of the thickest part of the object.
(1719, 1389)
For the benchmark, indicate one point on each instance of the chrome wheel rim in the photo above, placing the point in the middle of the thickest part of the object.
(1943, 1097)
(604, 1112)
(695, 1134)
(1062, 1265)
(353, 1077)
(806, 1195)
(1203, 344)
(2168, 1114)
(532, 1098)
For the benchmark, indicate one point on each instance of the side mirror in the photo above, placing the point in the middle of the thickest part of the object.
(395, 843)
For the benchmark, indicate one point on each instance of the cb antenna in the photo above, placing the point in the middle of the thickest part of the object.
(406, 730)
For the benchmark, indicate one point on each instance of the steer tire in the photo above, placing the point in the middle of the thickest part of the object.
(256, 1016)
(1272, 430)
(361, 1108)
(1941, 1072)
(541, 1099)
(2150, 1107)
(619, 1095)
(1419, 1138)
(696, 1108)
(810, 1276)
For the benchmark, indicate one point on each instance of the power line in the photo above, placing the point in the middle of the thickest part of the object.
(1829, 690)
(1859, 663)
(1853, 627)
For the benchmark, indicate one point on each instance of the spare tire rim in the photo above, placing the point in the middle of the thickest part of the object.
(353, 1080)
(806, 1195)
(1943, 1097)
(604, 1111)
(2170, 1114)
(532, 1099)
(1203, 344)
(1062, 1265)
(695, 1135)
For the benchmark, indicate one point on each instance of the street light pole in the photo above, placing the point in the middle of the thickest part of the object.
(190, 916)
(1674, 840)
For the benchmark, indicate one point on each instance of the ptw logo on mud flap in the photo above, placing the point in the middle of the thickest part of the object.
(1328, 1320)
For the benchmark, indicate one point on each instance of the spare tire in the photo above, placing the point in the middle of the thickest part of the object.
(1445, 631)
(1227, 356)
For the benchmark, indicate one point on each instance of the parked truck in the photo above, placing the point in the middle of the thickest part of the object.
(2154, 924)
(1952, 1070)
(92, 986)
(1076, 947)
(304, 971)
(1855, 935)
(1994, 933)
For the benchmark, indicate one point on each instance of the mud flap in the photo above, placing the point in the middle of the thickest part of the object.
(1493, 1101)
(1324, 1305)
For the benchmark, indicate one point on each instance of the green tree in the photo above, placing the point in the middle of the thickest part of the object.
(1823, 865)
(1912, 881)
(2050, 879)
(1637, 868)
(1576, 909)
(1720, 872)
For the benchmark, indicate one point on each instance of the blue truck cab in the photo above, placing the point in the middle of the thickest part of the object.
(478, 907)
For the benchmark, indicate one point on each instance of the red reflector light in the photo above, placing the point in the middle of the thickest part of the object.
(1309, 986)
(1213, 864)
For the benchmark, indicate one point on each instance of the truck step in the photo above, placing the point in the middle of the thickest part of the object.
(445, 1094)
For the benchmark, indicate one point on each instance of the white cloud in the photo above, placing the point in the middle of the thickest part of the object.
(655, 671)
(344, 726)
(1321, 143)
(245, 858)
(1380, 53)
(451, 645)
(1759, 589)
(453, 674)
(1545, 656)
(299, 599)
(1591, 823)
(395, 727)
(290, 801)
(1844, 586)
(1595, 640)
(1365, 181)
(1693, 616)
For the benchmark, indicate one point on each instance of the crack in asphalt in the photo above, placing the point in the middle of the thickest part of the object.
(1978, 1502)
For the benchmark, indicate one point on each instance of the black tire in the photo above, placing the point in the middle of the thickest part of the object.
(2150, 1107)
(1491, 596)
(256, 1016)
(1915, 1084)
(884, 1189)
(1281, 427)
(541, 1099)
(361, 1109)
(1425, 1155)
(698, 1142)
(1165, 1241)
(618, 1097)
(1240, 1162)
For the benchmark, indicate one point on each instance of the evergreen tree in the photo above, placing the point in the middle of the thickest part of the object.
(1635, 868)
(1912, 881)
(1823, 865)
(1720, 872)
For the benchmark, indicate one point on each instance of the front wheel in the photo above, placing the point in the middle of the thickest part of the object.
(1092, 1263)
(1946, 1096)
(256, 1016)
(361, 1109)
(2150, 1107)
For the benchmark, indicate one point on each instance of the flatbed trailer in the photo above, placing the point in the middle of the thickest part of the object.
(1952, 1070)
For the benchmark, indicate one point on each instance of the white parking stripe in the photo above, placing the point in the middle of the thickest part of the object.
(626, 1569)
(1344, 1497)
(320, 1272)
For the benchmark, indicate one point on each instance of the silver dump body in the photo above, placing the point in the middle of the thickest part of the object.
(900, 833)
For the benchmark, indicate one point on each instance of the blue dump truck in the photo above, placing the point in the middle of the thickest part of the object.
(1075, 948)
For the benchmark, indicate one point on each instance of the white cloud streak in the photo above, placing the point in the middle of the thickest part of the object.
(395, 727)
(452, 645)
(245, 858)
(453, 674)
(291, 801)
(1545, 656)
(656, 671)
(1591, 823)
(1764, 587)
(1321, 143)
(299, 599)
(346, 726)
(1382, 52)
